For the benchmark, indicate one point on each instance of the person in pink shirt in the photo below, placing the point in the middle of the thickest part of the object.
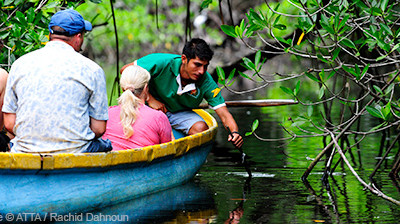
(132, 124)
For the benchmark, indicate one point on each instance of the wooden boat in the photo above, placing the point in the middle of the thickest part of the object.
(70, 183)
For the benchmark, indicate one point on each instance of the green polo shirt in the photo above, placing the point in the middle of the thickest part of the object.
(164, 68)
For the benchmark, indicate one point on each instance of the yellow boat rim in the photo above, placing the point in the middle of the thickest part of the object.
(36, 161)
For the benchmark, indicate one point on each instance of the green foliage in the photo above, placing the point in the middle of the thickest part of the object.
(352, 50)
(24, 26)
(254, 127)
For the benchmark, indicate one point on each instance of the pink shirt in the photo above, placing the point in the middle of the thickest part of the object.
(151, 127)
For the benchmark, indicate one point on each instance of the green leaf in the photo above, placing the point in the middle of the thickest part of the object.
(325, 24)
(297, 88)
(384, 4)
(381, 57)
(8, 2)
(229, 30)
(343, 22)
(386, 111)
(383, 45)
(364, 71)
(386, 28)
(389, 89)
(375, 11)
(248, 134)
(321, 58)
(242, 25)
(321, 92)
(280, 26)
(375, 112)
(277, 20)
(249, 64)
(205, 4)
(244, 75)
(337, 21)
(287, 90)
(257, 58)
(280, 39)
(30, 15)
(335, 53)
(221, 75)
(238, 32)
(231, 75)
(312, 77)
(348, 43)
(351, 71)
(21, 18)
(322, 75)
(378, 126)
(255, 125)
(231, 83)
(333, 72)
(310, 111)
(377, 89)
(357, 69)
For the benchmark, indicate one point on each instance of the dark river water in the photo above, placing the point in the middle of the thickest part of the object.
(222, 192)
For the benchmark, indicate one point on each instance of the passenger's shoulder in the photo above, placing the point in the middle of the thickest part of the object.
(3, 75)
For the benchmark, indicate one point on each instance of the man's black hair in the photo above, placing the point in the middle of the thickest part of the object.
(198, 47)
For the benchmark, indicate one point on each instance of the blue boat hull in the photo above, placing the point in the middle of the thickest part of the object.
(79, 190)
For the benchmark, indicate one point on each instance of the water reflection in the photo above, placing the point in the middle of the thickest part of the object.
(187, 203)
(278, 194)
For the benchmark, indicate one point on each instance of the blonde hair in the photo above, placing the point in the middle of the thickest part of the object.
(133, 81)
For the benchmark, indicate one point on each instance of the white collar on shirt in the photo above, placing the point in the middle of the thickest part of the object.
(187, 88)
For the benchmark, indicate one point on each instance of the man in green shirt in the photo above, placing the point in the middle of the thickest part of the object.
(180, 82)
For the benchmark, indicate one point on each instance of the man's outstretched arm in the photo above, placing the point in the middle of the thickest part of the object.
(228, 121)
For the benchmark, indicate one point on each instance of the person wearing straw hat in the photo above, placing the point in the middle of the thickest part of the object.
(56, 99)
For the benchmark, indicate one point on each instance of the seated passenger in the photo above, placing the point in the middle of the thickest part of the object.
(132, 124)
(56, 99)
(4, 136)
